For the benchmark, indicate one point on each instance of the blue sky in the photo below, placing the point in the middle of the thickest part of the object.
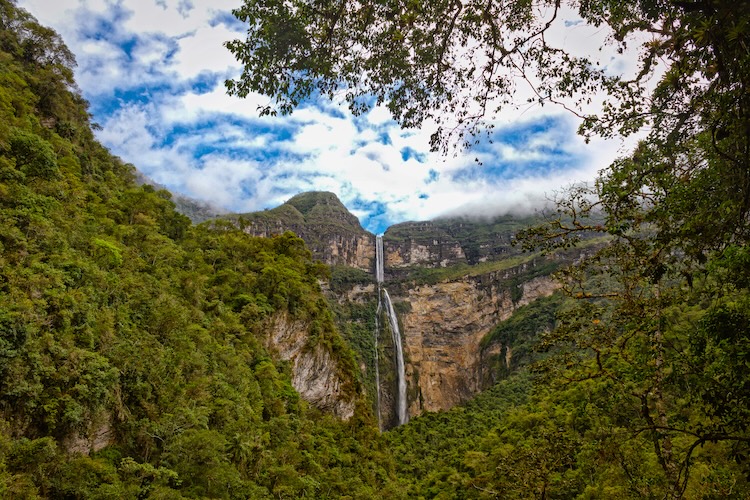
(154, 72)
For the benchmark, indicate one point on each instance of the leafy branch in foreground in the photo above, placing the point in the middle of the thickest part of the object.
(660, 324)
(460, 63)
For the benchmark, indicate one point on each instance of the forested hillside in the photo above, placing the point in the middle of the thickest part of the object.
(133, 345)
(132, 361)
(644, 390)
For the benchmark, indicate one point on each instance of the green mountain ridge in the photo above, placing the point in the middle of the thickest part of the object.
(332, 233)
(314, 208)
(133, 345)
(137, 353)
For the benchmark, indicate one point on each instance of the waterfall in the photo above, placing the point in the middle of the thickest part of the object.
(377, 360)
(397, 347)
(400, 370)
(379, 266)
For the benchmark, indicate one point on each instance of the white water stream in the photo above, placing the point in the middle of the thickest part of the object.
(403, 417)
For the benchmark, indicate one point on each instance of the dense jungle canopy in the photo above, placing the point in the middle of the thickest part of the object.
(118, 315)
(660, 324)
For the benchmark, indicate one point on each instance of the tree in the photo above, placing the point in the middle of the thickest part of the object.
(460, 62)
(662, 315)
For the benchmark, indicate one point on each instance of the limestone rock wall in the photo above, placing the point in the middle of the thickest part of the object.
(343, 248)
(420, 244)
(352, 251)
(316, 374)
(443, 330)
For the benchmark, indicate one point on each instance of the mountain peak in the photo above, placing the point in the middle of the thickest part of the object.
(333, 234)
(322, 208)
(305, 202)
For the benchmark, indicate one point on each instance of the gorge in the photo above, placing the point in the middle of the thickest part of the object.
(145, 356)
(450, 282)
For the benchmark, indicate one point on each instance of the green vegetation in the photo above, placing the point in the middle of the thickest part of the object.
(344, 278)
(521, 332)
(125, 329)
(287, 214)
(319, 218)
(356, 323)
(436, 451)
(308, 203)
(195, 210)
(538, 264)
(643, 391)
(486, 239)
(431, 275)
(424, 230)
(132, 358)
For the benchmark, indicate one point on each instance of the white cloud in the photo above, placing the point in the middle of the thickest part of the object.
(176, 123)
(191, 106)
(202, 51)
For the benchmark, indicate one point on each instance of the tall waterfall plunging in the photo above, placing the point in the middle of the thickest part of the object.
(377, 360)
(400, 369)
(379, 262)
(397, 347)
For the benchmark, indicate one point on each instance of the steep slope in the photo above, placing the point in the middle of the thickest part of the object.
(444, 325)
(486, 239)
(447, 317)
(141, 356)
(332, 233)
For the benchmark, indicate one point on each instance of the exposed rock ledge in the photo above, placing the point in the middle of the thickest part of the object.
(316, 374)
(98, 436)
(442, 333)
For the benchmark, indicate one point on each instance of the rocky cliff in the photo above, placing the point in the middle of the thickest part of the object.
(450, 241)
(444, 326)
(420, 244)
(332, 233)
(335, 236)
(485, 239)
(316, 373)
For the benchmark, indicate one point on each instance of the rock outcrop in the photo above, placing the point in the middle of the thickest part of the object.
(331, 232)
(444, 327)
(420, 244)
(316, 373)
(98, 435)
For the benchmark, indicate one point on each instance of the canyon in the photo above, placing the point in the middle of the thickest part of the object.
(451, 281)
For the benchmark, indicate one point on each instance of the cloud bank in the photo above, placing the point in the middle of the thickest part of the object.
(154, 72)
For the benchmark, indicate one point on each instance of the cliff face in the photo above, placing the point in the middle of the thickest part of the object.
(420, 244)
(331, 232)
(444, 327)
(316, 374)
(450, 241)
(484, 240)
(348, 250)
(450, 280)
